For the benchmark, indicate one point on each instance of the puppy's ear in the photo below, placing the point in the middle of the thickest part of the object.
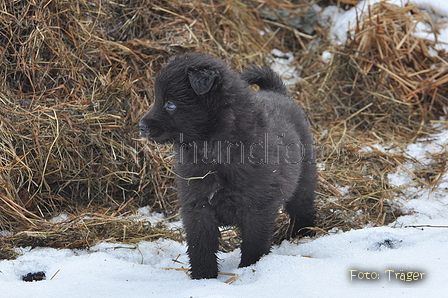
(202, 80)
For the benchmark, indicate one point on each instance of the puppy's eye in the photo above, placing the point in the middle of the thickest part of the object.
(169, 106)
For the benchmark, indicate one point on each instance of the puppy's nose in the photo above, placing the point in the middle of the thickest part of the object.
(143, 128)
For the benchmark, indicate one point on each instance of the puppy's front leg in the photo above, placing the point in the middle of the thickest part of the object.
(202, 231)
(256, 230)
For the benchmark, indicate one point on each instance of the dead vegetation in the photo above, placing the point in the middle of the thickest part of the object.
(76, 76)
(384, 87)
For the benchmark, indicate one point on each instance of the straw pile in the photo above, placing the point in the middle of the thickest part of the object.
(383, 87)
(76, 76)
(386, 79)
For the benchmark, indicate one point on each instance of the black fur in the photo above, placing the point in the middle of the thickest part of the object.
(241, 155)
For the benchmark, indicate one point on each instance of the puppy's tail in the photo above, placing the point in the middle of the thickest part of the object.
(265, 78)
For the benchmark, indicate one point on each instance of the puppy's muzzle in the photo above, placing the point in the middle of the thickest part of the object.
(151, 132)
(144, 129)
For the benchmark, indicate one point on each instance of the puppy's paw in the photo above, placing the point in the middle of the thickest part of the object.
(206, 274)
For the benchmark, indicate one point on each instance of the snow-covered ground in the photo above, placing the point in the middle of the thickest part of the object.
(370, 262)
(320, 268)
(392, 260)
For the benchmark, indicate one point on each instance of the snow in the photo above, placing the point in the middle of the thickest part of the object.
(280, 63)
(327, 56)
(311, 268)
(319, 268)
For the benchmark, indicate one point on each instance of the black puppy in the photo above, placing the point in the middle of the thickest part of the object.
(241, 155)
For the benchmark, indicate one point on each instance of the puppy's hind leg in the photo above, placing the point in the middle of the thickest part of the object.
(300, 207)
(202, 232)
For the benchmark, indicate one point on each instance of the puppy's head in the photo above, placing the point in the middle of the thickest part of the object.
(191, 94)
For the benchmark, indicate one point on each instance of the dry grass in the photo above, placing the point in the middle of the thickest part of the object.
(76, 76)
(386, 80)
(382, 88)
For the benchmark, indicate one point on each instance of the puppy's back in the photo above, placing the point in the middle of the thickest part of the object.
(276, 101)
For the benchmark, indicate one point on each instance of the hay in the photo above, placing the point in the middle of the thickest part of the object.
(383, 87)
(410, 66)
(392, 81)
(85, 230)
(76, 76)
